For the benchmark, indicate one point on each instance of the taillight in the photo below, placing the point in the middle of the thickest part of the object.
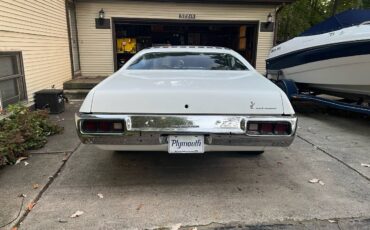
(282, 129)
(105, 126)
(89, 126)
(268, 128)
(101, 126)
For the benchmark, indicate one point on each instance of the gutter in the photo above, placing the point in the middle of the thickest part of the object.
(271, 2)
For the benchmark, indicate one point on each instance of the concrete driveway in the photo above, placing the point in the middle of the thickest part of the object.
(216, 190)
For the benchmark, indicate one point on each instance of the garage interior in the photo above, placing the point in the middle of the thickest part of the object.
(133, 36)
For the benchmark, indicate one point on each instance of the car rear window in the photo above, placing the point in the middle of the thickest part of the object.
(185, 60)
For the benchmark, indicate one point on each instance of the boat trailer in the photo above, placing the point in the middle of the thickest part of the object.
(292, 91)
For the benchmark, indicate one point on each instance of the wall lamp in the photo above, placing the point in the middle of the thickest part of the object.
(101, 14)
(101, 22)
(269, 18)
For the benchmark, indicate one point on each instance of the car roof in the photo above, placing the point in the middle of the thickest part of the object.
(164, 48)
(188, 47)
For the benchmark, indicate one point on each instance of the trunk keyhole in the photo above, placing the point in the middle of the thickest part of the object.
(186, 106)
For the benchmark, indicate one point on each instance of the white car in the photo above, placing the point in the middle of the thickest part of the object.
(186, 100)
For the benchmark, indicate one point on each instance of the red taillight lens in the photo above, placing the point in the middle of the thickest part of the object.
(105, 126)
(268, 128)
(281, 129)
(102, 126)
(89, 126)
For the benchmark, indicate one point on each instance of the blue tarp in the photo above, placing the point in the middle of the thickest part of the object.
(342, 20)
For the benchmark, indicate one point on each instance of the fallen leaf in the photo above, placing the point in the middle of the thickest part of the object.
(20, 159)
(139, 207)
(100, 195)
(176, 226)
(365, 165)
(62, 220)
(35, 186)
(26, 163)
(14, 228)
(314, 180)
(77, 214)
(30, 206)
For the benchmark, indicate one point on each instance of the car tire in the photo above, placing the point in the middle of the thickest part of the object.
(253, 153)
(256, 153)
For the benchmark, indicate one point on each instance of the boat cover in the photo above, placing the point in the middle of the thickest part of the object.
(339, 21)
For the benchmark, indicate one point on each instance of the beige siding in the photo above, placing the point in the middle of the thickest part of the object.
(265, 43)
(38, 28)
(96, 47)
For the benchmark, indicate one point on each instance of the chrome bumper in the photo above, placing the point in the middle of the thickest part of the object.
(154, 129)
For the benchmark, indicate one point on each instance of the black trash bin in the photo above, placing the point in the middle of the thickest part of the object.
(51, 99)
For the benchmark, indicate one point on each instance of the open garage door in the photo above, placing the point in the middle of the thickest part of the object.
(131, 36)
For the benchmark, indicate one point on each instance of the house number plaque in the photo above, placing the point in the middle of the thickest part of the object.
(187, 16)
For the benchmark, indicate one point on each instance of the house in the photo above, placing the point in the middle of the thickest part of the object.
(46, 43)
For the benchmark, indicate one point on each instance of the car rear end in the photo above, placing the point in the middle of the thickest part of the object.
(187, 111)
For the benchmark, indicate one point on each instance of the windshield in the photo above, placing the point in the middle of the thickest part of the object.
(189, 61)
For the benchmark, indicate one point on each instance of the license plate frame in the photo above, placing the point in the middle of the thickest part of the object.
(186, 144)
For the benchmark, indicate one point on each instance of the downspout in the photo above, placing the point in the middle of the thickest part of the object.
(277, 11)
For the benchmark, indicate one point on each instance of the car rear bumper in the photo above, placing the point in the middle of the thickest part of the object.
(153, 130)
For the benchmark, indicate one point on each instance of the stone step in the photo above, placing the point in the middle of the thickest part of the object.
(76, 94)
(82, 83)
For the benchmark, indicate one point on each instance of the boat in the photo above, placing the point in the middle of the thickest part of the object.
(332, 57)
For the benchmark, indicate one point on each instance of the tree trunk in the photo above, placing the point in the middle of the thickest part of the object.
(314, 12)
(286, 29)
(335, 6)
(359, 4)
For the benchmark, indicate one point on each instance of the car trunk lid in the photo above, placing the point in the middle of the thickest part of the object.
(187, 92)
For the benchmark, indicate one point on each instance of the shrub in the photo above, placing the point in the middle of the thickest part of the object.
(24, 130)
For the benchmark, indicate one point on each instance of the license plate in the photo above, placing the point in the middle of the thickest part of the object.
(186, 144)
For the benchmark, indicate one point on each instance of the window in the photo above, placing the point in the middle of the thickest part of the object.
(12, 88)
(188, 61)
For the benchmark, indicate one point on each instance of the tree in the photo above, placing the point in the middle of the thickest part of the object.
(335, 6)
(297, 17)
(365, 4)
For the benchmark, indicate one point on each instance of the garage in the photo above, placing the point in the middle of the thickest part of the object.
(131, 36)
(106, 41)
